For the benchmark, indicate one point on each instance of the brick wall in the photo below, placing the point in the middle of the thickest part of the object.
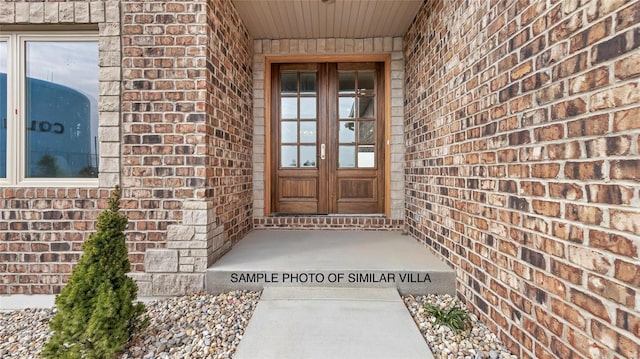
(42, 229)
(187, 138)
(176, 131)
(522, 166)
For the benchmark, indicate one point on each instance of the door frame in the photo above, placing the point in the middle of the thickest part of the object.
(384, 58)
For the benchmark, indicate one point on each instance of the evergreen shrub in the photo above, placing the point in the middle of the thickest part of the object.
(96, 314)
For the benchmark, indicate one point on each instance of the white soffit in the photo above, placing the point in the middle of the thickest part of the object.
(309, 19)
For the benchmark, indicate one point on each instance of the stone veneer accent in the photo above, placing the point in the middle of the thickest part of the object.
(42, 229)
(522, 166)
(331, 46)
(187, 137)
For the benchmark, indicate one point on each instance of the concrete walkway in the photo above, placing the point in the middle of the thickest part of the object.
(308, 323)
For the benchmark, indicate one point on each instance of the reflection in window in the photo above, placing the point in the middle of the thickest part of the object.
(366, 157)
(289, 131)
(308, 83)
(289, 83)
(308, 156)
(61, 109)
(347, 156)
(289, 107)
(347, 107)
(307, 107)
(347, 132)
(289, 156)
(308, 132)
(3, 109)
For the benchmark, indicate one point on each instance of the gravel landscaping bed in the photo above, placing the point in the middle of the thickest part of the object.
(194, 326)
(207, 326)
(477, 343)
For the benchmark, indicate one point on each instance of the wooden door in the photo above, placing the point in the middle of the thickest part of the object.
(327, 138)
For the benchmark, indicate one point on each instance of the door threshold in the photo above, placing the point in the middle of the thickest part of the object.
(373, 215)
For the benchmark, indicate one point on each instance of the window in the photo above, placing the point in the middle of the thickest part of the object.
(49, 108)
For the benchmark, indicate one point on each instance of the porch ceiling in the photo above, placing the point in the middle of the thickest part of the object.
(308, 19)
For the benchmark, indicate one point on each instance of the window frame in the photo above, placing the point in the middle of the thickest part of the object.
(16, 108)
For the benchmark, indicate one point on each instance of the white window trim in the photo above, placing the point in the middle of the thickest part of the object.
(16, 139)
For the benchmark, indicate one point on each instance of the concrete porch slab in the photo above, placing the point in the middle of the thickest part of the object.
(315, 258)
(332, 323)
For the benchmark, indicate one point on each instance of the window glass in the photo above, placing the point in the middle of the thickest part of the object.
(289, 156)
(3, 109)
(307, 107)
(61, 93)
(289, 131)
(347, 107)
(308, 83)
(289, 107)
(289, 84)
(346, 156)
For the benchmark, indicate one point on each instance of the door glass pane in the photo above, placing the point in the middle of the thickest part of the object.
(366, 107)
(61, 109)
(347, 132)
(3, 109)
(308, 132)
(307, 107)
(366, 83)
(308, 156)
(347, 107)
(289, 156)
(366, 156)
(347, 156)
(288, 107)
(289, 131)
(347, 83)
(366, 132)
(308, 83)
(289, 83)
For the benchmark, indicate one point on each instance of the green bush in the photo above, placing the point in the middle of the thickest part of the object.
(456, 318)
(96, 315)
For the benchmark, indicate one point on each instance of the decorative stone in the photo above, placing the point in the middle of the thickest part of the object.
(161, 260)
(177, 284)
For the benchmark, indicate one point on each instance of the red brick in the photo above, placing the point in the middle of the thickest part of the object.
(628, 321)
(628, 16)
(570, 66)
(546, 170)
(626, 119)
(589, 80)
(583, 170)
(585, 345)
(591, 35)
(628, 67)
(583, 214)
(565, 190)
(590, 304)
(567, 272)
(568, 232)
(547, 208)
(550, 284)
(627, 94)
(627, 272)
(613, 243)
(589, 259)
(608, 146)
(608, 289)
(625, 221)
(595, 125)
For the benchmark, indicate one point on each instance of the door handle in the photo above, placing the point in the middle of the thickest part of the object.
(322, 151)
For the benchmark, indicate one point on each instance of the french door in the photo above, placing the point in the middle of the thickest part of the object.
(327, 122)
